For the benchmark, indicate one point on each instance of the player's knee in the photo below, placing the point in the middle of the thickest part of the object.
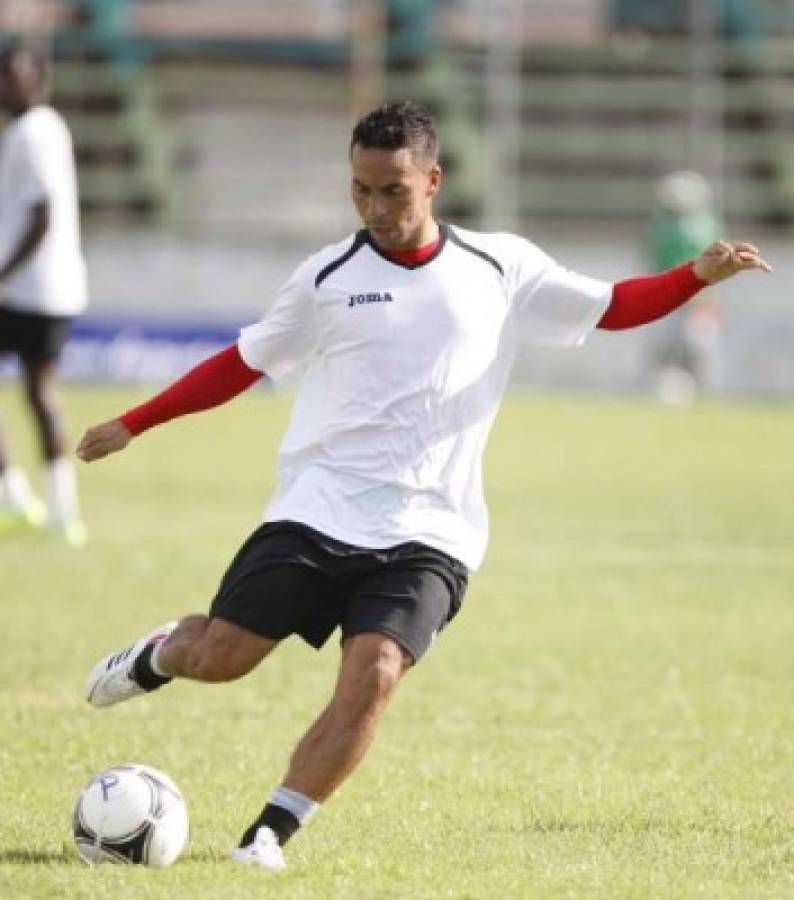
(42, 405)
(40, 394)
(374, 677)
(383, 667)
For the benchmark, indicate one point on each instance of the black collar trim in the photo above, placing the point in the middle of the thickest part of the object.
(476, 251)
(358, 242)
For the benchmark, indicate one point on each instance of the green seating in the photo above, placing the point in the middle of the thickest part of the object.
(126, 150)
(601, 123)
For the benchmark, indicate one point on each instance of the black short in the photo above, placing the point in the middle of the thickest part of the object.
(32, 336)
(288, 579)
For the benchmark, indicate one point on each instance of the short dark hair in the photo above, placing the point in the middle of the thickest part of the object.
(394, 126)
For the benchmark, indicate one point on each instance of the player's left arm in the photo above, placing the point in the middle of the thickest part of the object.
(638, 301)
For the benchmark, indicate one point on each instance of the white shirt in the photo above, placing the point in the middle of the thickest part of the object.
(37, 165)
(406, 369)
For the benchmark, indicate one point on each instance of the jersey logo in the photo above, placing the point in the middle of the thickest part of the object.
(359, 299)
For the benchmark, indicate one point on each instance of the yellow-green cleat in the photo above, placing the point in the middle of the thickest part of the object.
(34, 515)
(75, 534)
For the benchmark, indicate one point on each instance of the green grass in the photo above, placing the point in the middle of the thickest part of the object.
(611, 716)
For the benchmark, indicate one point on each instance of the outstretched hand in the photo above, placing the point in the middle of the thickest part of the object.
(726, 258)
(102, 440)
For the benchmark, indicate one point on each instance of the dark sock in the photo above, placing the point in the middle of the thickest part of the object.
(279, 820)
(143, 673)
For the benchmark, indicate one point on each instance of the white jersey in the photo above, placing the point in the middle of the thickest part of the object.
(407, 365)
(37, 166)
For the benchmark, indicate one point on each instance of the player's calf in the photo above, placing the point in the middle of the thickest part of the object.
(213, 650)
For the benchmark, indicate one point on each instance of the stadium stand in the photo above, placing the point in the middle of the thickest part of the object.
(604, 108)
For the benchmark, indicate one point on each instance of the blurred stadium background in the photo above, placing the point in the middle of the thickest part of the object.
(211, 142)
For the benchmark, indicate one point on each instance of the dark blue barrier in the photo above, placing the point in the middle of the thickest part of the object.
(131, 351)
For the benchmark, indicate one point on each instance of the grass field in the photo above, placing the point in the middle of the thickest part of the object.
(611, 716)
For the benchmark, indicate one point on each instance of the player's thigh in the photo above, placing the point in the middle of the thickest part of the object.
(409, 604)
(275, 587)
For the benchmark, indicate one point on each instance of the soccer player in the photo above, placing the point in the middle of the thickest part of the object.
(42, 281)
(407, 330)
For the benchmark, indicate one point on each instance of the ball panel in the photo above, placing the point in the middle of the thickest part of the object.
(168, 835)
(117, 804)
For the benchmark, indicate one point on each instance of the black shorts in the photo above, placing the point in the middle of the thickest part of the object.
(33, 337)
(288, 579)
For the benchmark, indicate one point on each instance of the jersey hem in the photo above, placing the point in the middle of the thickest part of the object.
(359, 540)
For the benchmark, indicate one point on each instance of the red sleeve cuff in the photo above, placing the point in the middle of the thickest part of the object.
(136, 420)
(638, 301)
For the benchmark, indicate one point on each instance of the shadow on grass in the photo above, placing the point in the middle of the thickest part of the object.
(14, 856)
(204, 856)
(37, 857)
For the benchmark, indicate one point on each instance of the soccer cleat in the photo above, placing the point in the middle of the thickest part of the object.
(35, 512)
(111, 680)
(32, 515)
(263, 851)
(73, 534)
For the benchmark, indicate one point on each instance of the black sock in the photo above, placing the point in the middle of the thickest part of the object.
(278, 820)
(143, 673)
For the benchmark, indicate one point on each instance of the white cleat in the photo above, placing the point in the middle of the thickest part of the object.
(111, 678)
(263, 851)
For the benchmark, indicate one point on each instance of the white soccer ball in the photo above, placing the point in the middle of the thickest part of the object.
(130, 814)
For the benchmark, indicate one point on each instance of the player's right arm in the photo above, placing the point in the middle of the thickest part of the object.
(277, 345)
(30, 239)
(211, 383)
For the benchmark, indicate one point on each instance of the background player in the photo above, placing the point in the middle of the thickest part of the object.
(683, 349)
(408, 330)
(42, 281)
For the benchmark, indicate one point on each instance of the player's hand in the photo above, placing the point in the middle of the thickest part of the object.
(101, 440)
(725, 258)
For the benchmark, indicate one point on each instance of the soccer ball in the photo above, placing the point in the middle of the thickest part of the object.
(130, 814)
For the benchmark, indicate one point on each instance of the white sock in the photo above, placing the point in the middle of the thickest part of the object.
(154, 660)
(62, 492)
(301, 806)
(15, 489)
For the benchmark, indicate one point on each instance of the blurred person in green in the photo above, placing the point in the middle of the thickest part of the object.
(685, 344)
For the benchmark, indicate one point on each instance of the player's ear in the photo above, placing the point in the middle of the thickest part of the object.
(435, 177)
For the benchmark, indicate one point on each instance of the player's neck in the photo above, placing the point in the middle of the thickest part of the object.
(427, 235)
(416, 251)
(20, 108)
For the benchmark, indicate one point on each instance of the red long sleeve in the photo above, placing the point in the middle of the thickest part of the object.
(210, 383)
(637, 301)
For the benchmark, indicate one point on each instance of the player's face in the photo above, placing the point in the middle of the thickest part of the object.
(393, 194)
(20, 82)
